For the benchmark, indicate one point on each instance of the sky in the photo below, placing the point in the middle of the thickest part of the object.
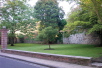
(65, 6)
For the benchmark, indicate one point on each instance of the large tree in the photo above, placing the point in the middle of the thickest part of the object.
(16, 16)
(91, 5)
(49, 14)
(94, 9)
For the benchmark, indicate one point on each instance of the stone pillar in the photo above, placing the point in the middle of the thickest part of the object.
(3, 38)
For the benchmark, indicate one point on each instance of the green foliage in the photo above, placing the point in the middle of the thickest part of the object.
(78, 21)
(78, 14)
(81, 20)
(95, 28)
(61, 24)
(49, 13)
(91, 6)
(17, 16)
(86, 17)
(48, 34)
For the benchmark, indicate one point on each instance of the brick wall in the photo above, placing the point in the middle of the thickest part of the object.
(3, 38)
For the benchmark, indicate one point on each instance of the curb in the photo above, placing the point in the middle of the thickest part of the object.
(30, 61)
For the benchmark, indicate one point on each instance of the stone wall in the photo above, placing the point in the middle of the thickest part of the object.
(63, 58)
(82, 38)
(32, 41)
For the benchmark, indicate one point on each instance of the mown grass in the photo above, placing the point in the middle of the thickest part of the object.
(64, 49)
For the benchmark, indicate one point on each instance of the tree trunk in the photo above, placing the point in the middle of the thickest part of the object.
(12, 38)
(12, 41)
(49, 46)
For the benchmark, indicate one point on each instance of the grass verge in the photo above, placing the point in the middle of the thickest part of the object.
(63, 49)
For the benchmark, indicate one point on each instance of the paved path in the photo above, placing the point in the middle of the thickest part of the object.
(44, 62)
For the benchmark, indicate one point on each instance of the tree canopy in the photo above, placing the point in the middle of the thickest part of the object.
(50, 14)
(48, 35)
(86, 17)
(17, 16)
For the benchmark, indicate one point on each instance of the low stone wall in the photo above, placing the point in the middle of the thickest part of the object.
(63, 58)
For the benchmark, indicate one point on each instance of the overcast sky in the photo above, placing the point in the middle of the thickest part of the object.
(65, 5)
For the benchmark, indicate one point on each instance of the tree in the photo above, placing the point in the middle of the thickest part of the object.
(49, 14)
(48, 35)
(93, 6)
(16, 16)
(78, 21)
(94, 9)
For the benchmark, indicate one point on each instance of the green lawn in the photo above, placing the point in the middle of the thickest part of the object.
(65, 49)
